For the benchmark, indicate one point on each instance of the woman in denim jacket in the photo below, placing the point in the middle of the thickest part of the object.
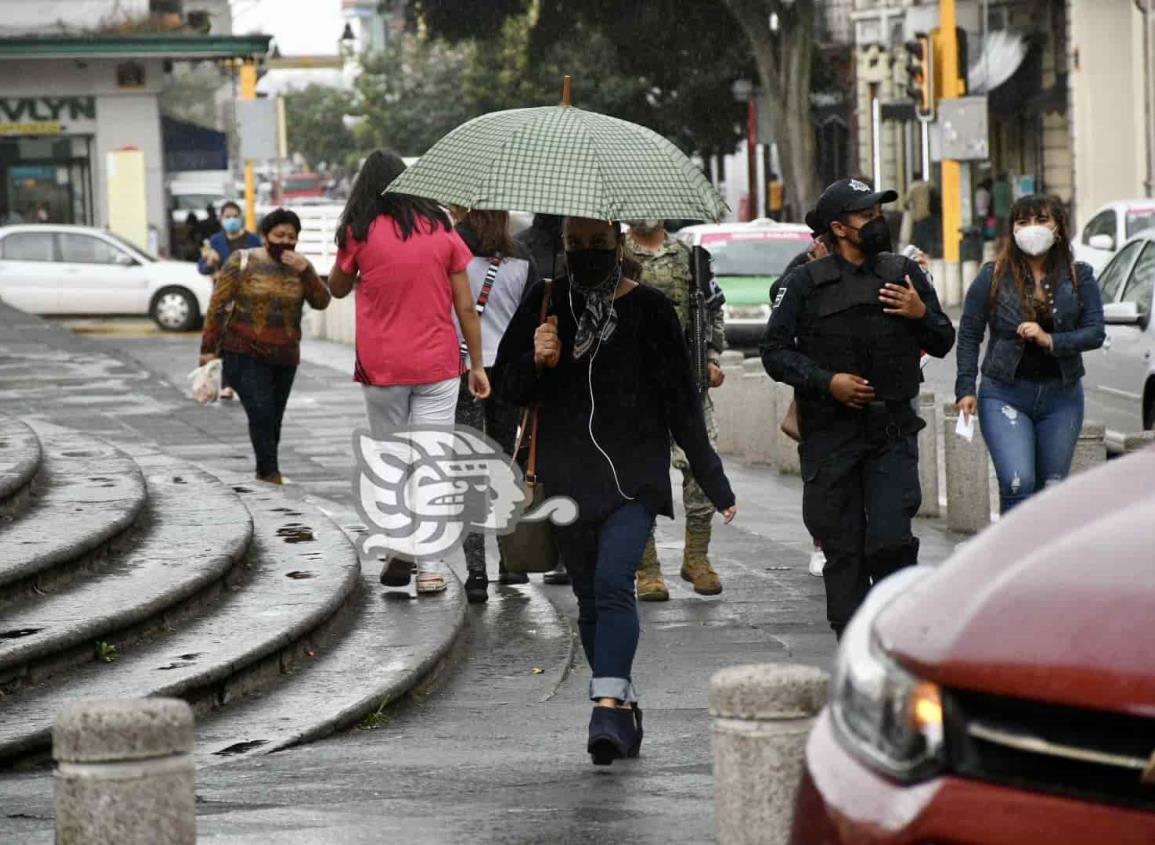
(1043, 311)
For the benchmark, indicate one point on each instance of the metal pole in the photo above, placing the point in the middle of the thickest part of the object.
(926, 150)
(752, 156)
(249, 92)
(876, 136)
(951, 170)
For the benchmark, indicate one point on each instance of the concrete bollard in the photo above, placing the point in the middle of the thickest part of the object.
(1090, 449)
(968, 492)
(928, 456)
(756, 414)
(1135, 442)
(785, 449)
(762, 716)
(124, 773)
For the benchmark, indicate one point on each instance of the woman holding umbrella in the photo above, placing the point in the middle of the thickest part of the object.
(610, 373)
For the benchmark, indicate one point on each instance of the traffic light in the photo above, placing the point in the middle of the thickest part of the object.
(920, 72)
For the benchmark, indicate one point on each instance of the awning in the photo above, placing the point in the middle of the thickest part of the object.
(191, 147)
(178, 47)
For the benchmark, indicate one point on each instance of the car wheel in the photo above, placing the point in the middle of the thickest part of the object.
(175, 310)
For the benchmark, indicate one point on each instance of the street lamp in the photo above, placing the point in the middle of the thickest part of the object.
(345, 43)
(743, 90)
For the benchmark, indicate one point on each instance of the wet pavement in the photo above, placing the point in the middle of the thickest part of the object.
(493, 751)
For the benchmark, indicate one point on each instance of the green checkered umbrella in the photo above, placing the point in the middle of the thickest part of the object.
(562, 160)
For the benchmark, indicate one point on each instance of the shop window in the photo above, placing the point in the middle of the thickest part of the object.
(27, 246)
(85, 249)
(129, 75)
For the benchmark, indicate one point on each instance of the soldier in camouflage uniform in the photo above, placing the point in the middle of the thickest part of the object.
(666, 265)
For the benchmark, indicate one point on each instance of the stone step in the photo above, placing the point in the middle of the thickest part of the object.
(19, 462)
(85, 494)
(392, 645)
(301, 571)
(194, 530)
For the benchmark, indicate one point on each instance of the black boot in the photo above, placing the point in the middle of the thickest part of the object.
(477, 588)
(614, 733)
(396, 572)
(504, 576)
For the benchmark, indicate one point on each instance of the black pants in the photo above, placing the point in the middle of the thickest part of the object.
(264, 391)
(861, 492)
(498, 420)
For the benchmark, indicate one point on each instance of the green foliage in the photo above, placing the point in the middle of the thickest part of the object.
(314, 118)
(106, 652)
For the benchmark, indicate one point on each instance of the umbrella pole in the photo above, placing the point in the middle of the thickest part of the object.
(565, 90)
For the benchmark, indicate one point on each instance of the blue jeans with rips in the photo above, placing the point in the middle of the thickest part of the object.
(1030, 428)
(602, 559)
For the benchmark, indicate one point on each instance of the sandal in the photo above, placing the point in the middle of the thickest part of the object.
(431, 582)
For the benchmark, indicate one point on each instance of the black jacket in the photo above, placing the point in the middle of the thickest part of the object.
(642, 391)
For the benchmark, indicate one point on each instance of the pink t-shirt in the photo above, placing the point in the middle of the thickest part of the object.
(405, 329)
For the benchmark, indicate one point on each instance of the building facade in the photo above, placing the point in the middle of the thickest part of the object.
(1068, 87)
(77, 87)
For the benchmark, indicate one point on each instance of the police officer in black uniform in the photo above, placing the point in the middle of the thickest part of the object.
(847, 334)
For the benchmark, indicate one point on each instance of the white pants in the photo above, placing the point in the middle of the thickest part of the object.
(405, 405)
(391, 408)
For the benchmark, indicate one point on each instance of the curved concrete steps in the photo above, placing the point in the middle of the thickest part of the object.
(392, 645)
(196, 530)
(19, 461)
(301, 571)
(85, 494)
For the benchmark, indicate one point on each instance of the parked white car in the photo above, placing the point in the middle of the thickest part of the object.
(1120, 380)
(1109, 227)
(56, 269)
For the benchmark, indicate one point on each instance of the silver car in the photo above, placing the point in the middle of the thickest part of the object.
(1120, 381)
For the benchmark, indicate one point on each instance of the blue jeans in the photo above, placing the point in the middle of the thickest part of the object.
(1030, 428)
(602, 559)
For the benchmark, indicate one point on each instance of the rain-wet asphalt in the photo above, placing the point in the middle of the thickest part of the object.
(493, 750)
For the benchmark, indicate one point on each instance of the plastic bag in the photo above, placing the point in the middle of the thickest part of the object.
(206, 382)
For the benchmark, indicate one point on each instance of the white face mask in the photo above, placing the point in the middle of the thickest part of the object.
(1035, 240)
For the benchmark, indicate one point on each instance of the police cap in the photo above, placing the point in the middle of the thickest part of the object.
(842, 197)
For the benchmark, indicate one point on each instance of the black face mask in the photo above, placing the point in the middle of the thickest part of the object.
(591, 268)
(275, 250)
(874, 237)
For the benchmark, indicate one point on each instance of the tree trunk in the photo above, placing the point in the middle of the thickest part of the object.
(783, 61)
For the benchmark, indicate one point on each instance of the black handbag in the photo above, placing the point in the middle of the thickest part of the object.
(531, 546)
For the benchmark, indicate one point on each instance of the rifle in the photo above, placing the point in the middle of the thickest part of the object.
(705, 297)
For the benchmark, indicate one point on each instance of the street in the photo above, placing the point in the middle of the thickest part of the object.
(493, 747)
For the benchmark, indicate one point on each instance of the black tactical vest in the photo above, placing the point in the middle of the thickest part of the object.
(844, 330)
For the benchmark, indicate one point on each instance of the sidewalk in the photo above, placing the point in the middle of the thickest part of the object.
(494, 752)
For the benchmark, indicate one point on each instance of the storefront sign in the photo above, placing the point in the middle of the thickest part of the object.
(43, 115)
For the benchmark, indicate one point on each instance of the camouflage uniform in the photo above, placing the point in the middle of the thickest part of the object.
(669, 270)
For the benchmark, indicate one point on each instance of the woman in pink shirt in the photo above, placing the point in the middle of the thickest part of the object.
(408, 267)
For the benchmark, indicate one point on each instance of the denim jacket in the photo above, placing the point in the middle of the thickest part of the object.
(1078, 328)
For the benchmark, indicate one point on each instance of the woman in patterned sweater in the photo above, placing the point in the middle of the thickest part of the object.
(254, 324)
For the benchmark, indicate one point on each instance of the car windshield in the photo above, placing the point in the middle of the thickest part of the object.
(1139, 219)
(745, 256)
(131, 247)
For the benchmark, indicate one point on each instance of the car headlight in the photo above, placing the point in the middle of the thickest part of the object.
(888, 717)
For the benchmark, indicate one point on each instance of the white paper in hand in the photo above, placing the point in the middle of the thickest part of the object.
(965, 428)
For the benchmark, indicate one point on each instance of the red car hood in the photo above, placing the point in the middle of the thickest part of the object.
(1055, 603)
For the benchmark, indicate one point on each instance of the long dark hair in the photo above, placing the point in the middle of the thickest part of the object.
(367, 202)
(1012, 261)
(492, 231)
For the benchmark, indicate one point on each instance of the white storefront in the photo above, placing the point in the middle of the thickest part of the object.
(67, 103)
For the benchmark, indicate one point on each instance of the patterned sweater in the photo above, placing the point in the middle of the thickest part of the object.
(265, 319)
